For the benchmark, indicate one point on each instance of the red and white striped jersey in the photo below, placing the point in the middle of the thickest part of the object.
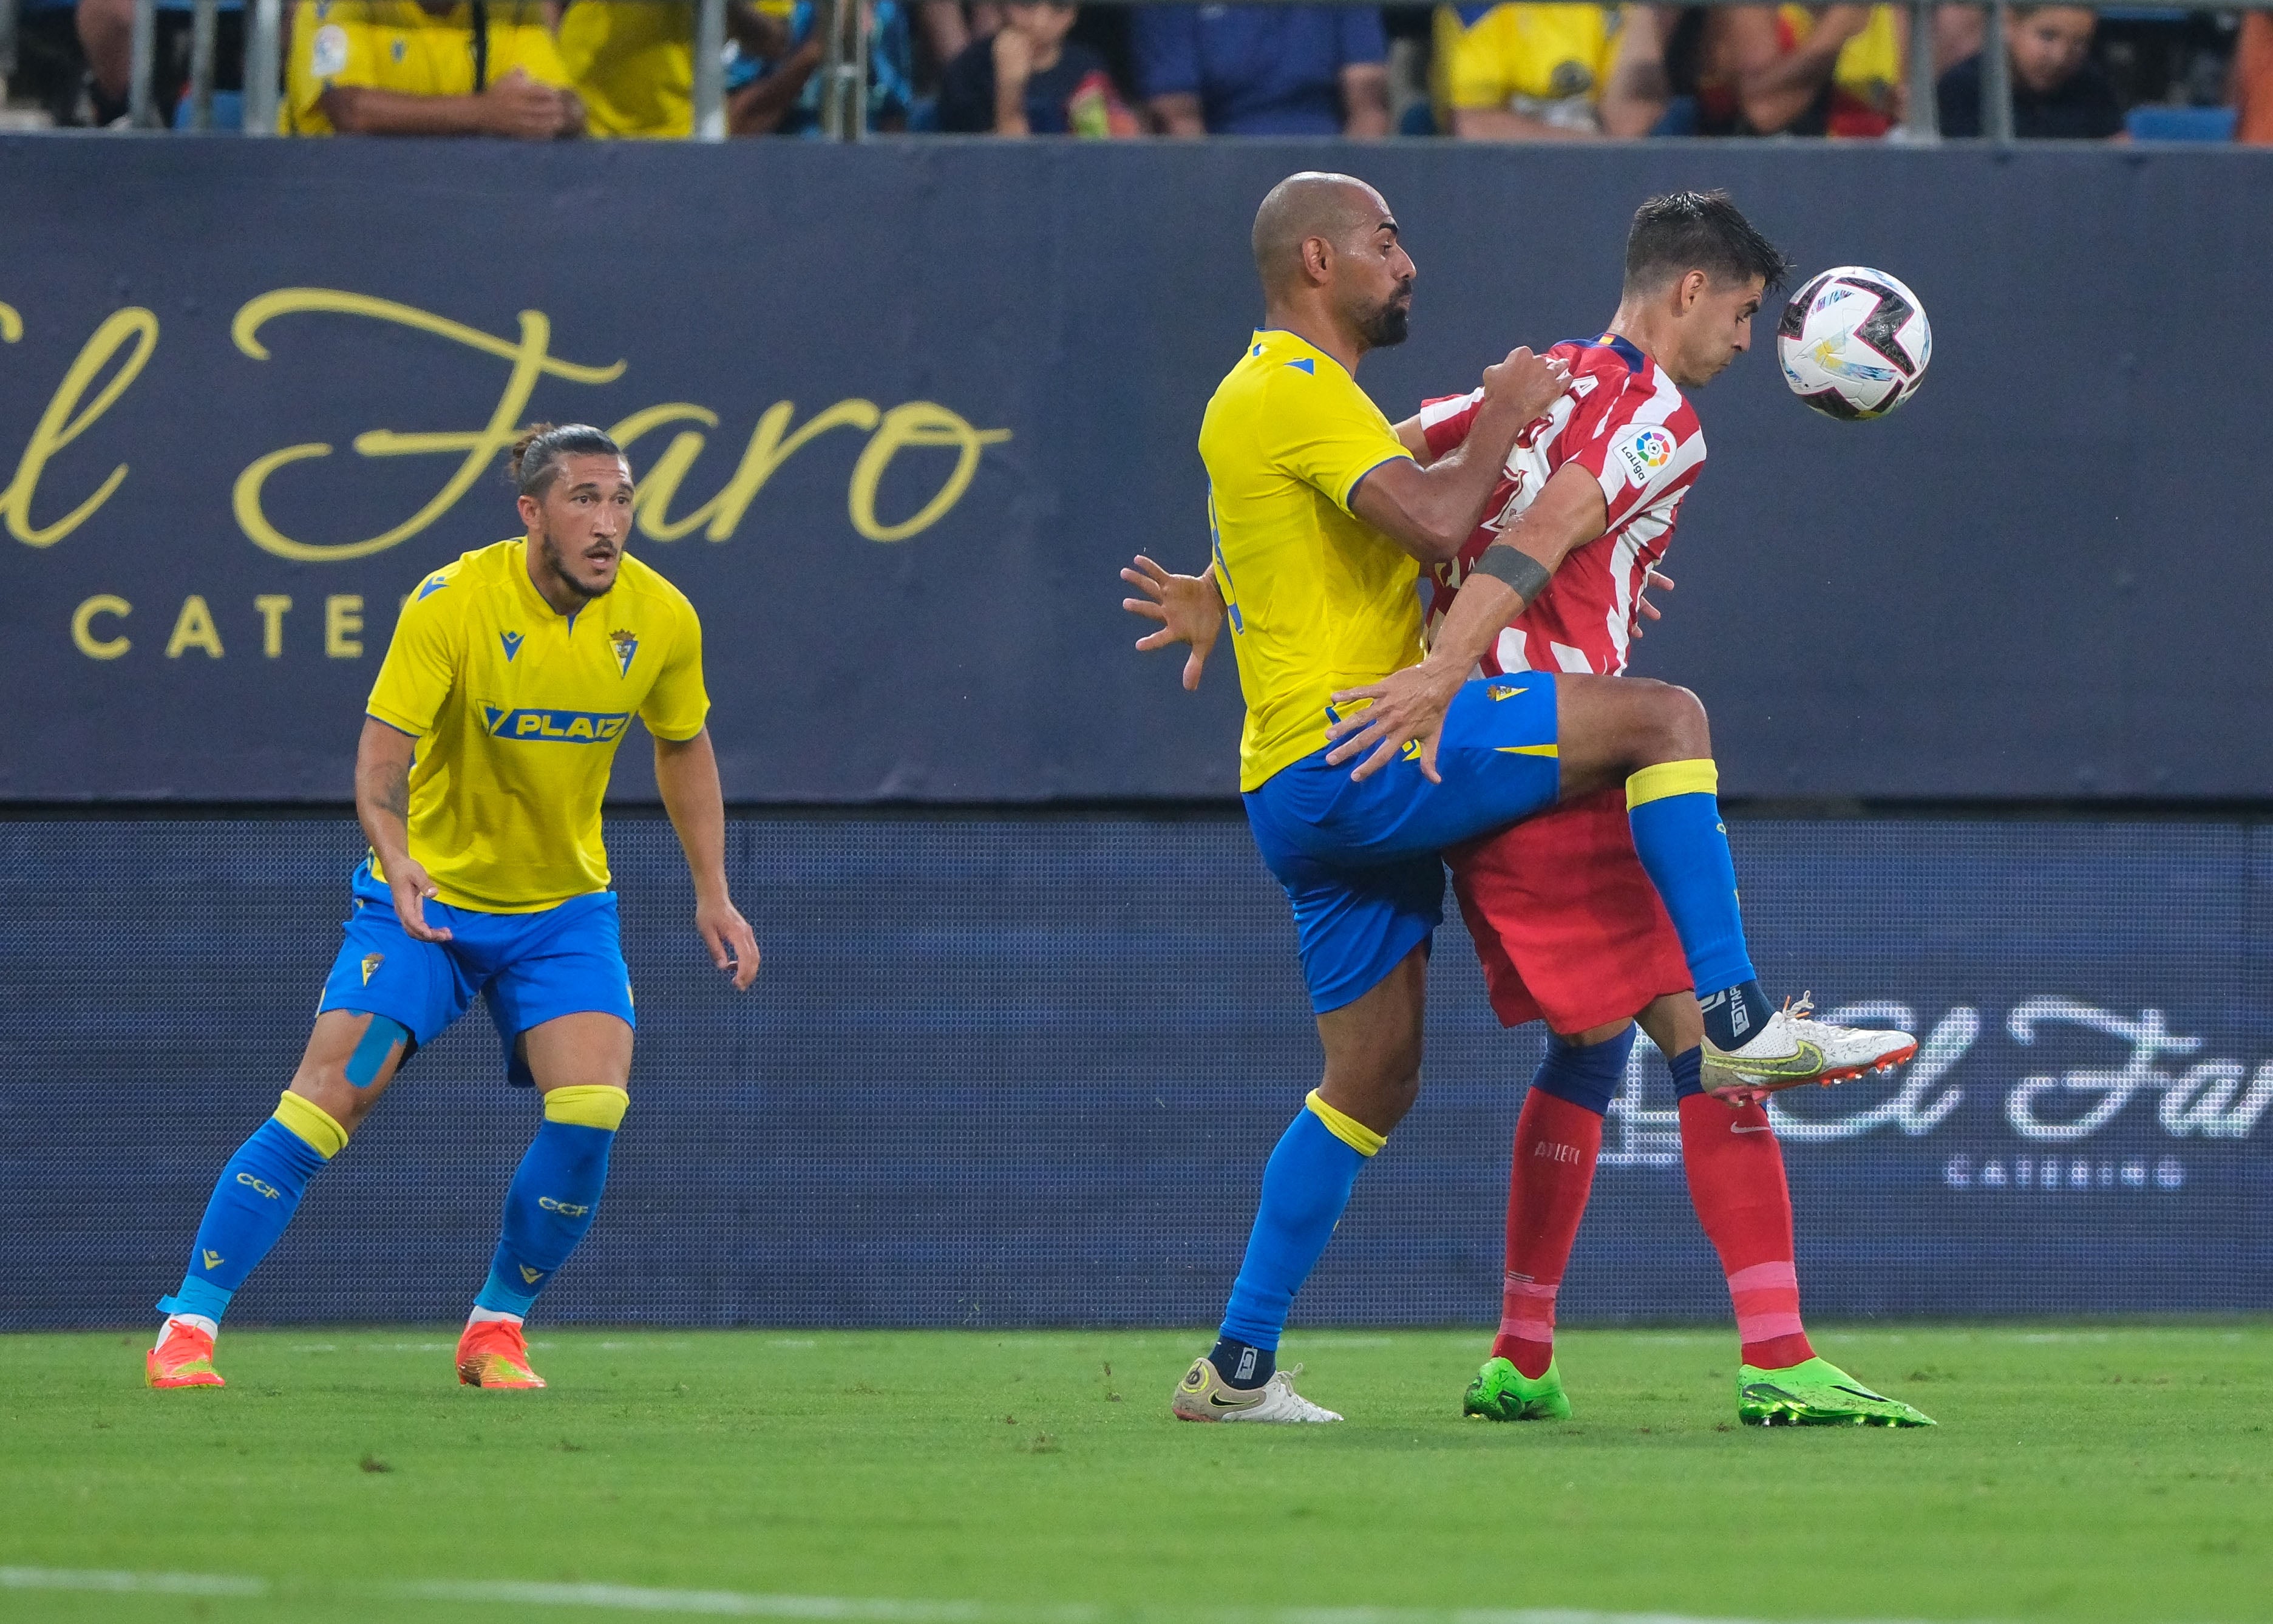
(1625, 422)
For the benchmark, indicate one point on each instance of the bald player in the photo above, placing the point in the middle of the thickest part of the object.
(1320, 519)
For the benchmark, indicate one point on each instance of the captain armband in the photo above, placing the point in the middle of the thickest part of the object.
(1526, 575)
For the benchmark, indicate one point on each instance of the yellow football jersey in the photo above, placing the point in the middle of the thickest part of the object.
(518, 709)
(632, 64)
(400, 45)
(1549, 62)
(1318, 598)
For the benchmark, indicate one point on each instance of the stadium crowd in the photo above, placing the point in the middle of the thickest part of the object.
(543, 69)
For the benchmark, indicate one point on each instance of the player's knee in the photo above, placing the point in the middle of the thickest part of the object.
(589, 1105)
(1392, 1090)
(347, 1085)
(1672, 726)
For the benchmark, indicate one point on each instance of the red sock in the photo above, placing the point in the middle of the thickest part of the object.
(1556, 1144)
(1735, 1179)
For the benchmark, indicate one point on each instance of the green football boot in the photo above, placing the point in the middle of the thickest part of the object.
(1503, 1393)
(1816, 1393)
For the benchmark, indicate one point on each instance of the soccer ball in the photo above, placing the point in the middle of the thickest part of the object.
(1854, 342)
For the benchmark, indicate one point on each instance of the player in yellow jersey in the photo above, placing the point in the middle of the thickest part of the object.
(514, 675)
(1321, 518)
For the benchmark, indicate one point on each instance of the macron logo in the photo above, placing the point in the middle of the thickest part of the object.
(512, 641)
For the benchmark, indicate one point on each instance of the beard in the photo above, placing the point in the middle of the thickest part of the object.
(558, 566)
(1386, 325)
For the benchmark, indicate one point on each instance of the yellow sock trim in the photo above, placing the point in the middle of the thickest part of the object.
(587, 1105)
(312, 1123)
(1346, 1127)
(1681, 778)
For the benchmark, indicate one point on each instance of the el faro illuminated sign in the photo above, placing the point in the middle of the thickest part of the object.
(101, 626)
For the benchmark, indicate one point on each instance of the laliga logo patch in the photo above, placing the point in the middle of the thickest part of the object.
(1645, 454)
(327, 56)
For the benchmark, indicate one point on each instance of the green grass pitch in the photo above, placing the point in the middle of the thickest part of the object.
(2103, 1473)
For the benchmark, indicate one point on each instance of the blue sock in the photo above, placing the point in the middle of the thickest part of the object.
(1688, 1069)
(255, 1197)
(1305, 1185)
(554, 1195)
(1675, 810)
(1589, 1077)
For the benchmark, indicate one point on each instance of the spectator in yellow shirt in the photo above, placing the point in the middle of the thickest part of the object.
(1529, 72)
(407, 67)
(632, 62)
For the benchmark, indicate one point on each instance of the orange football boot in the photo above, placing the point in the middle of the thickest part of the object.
(183, 1358)
(494, 1354)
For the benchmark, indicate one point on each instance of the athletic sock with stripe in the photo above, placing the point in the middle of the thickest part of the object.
(1557, 1140)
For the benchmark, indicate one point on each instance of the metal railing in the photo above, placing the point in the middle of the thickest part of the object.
(844, 70)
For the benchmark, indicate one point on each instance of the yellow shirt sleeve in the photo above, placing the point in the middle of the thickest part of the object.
(324, 40)
(678, 705)
(422, 660)
(347, 47)
(1320, 427)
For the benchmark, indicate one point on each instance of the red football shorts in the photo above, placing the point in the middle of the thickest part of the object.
(1567, 925)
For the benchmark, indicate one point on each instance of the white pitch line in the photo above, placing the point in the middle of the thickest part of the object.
(145, 1583)
(827, 1609)
(881, 1610)
(635, 1598)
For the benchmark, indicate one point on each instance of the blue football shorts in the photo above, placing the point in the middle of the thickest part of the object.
(1360, 861)
(528, 968)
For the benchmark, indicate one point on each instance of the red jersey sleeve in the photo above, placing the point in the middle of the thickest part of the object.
(1447, 419)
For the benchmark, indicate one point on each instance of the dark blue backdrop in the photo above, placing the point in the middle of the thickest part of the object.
(1025, 1070)
(2043, 578)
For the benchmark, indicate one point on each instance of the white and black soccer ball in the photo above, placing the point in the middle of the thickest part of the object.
(1854, 343)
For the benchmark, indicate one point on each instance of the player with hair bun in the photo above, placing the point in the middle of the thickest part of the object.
(514, 675)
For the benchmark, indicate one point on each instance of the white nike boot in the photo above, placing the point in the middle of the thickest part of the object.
(1791, 1049)
(1205, 1395)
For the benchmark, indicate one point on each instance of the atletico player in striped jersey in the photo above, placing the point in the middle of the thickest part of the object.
(1566, 924)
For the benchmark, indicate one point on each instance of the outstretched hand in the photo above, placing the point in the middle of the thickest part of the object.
(1403, 708)
(1187, 607)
